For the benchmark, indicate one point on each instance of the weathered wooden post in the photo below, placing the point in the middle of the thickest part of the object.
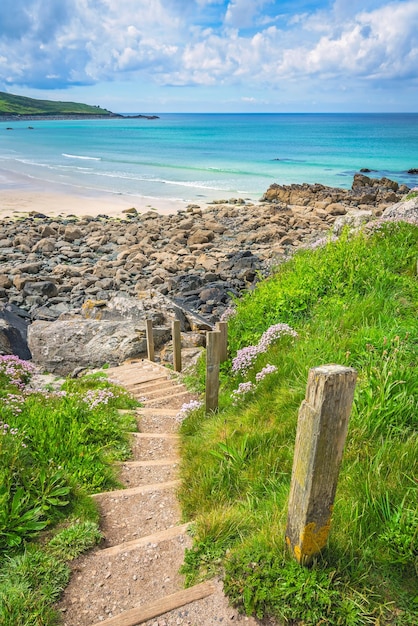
(321, 432)
(176, 345)
(222, 327)
(213, 339)
(150, 339)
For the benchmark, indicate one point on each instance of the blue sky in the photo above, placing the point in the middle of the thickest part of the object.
(213, 55)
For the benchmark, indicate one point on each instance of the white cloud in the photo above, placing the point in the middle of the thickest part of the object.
(243, 13)
(378, 44)
(53, 45)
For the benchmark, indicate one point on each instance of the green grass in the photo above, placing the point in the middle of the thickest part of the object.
(55, 450)
(352, 302)
(11, 104)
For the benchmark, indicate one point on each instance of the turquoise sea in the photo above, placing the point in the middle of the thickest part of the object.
(207, 156)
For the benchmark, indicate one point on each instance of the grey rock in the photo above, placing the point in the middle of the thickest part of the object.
(354, 219)
(41, 288)
(13, 331)
(406, 209)
(61, 346)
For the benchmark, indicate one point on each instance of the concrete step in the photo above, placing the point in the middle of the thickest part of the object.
(128, 514)
(138, 473)
(140, 569)
(150, 423)
(159, 402)
(163, 392)
(150, 446)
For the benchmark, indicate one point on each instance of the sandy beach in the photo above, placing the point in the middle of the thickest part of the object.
(20, 195)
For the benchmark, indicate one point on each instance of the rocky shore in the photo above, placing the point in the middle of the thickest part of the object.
(84, 286)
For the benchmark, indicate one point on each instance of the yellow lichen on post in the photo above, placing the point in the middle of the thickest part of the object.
(311, 541)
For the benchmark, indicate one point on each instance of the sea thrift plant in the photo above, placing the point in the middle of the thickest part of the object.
(268, 369)
(94, 397)
(246, 356)
(17, 371)
(243, 389)
(187, 408)
(14, 402)
(244, 359)
(249, 387)
(227, 314)
(272, 334)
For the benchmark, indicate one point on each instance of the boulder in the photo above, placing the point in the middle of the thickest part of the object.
(72, 233)
(336, 208)
(201, 236)
(41, 288)
(46, 246)
(404, 210)
(13, 331)
(354, 219)
(61, 346)
(5, 282)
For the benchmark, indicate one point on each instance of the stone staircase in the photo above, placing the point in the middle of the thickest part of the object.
(133, 578)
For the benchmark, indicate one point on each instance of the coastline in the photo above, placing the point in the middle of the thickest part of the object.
(73, 116)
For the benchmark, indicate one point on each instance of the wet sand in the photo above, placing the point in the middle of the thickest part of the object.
(20, 196)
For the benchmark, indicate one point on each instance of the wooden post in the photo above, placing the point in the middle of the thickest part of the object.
(213, 339)
(150, 339)
(223, 329)
(321, 432)
(176, 345)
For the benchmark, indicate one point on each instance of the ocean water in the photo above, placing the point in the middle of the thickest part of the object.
(208, 156)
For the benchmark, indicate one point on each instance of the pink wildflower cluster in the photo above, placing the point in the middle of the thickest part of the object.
(5, 429)
(227, 314)
(243, 389)
(249, 387)
(13, 402)
(187, 408)
(268, 369)
(94, 397)
(244, 359)
(17, 370)
(246, 356)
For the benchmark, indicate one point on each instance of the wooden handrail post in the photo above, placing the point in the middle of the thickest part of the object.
(213, 339)
(321, 432)
(150, 339)
(223, 329)
(176, 345)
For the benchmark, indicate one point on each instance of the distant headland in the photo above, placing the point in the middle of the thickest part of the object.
(14, 108)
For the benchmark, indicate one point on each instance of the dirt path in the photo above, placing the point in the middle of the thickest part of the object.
(133, 578)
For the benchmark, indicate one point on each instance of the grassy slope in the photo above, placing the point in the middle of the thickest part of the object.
(19, 105)
(354, 303)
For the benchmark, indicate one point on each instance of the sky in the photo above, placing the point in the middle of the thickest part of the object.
(154, 56)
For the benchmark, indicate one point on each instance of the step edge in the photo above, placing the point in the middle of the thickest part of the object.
(139, 615)
(162, 535)
(133, 491)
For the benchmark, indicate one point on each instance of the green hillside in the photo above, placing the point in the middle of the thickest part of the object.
(353, 302)
(12, 105)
